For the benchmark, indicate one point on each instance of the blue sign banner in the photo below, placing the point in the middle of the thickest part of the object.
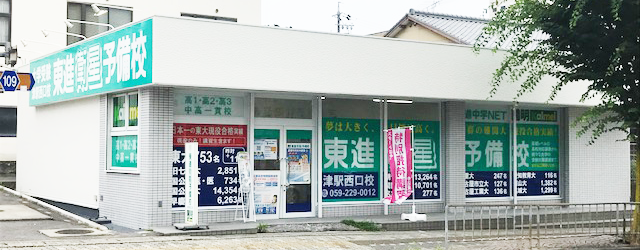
(487, 184)
(427, 185)
(219, 181)
(102, 64)
(352, 186)
(532, 183)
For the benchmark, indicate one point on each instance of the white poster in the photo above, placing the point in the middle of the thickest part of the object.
(267, 190)
(266, 149)
(191, 182)
(298, 163)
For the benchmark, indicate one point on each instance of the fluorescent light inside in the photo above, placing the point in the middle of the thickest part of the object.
(377, 100)
(400, 101)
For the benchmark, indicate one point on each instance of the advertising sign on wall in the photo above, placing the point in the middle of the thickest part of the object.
(537, 152)
(101, 64)
(351, 159)
(218, 147)
(124, 151)
(426, 156)
(487, 153)
(208, 103)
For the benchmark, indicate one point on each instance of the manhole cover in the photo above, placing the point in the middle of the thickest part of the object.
(74, 231)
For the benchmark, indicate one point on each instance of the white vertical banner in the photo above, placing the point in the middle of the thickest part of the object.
(192, 180)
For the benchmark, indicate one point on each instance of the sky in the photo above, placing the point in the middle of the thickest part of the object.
(367, 16)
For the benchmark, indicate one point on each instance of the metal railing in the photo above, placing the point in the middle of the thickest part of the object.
(535, 221)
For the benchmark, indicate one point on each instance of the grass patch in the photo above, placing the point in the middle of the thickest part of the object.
(262, 227)
(362, 225)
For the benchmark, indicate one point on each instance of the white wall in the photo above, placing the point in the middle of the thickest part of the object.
(598, 172)
(58, 151)
(29, 17)
(239, 56)
(8, 144)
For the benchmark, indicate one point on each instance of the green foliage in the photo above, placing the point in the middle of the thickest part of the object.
(595, 42)
(262, 227)
(362, 225)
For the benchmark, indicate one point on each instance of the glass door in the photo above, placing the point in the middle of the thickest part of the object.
(297, 173)
(267, 168)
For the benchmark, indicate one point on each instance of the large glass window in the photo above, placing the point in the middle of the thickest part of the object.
(425, 117)
(84, 12)
(8, 122)
(352, 149)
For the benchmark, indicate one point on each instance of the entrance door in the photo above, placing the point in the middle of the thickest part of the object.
(283, 172)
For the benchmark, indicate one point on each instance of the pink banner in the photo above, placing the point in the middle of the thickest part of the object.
(400, 159)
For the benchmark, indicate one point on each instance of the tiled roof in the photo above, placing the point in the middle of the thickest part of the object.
(460, 29)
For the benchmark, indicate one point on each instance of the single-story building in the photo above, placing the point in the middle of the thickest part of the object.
(110, 115)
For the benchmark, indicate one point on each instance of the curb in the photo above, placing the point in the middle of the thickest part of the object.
(58, 210)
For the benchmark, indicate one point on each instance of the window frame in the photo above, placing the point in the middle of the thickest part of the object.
(83, 17)
(126, 130)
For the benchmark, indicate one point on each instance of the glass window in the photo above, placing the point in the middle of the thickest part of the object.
(84, 12)
(283, 108)
(352, 146)
(425, 117)
(133, 110)
(8, 122)
(119, 112)
(5, 21)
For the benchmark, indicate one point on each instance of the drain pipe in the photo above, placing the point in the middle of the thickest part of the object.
(58, 210)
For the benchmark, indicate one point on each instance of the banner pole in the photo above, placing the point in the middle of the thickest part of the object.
(413, 173)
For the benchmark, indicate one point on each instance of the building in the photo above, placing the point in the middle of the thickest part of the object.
(309, 108)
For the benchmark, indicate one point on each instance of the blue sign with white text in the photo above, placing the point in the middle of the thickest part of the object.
(9, 80)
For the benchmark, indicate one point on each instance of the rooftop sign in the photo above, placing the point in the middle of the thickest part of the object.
(114, 61)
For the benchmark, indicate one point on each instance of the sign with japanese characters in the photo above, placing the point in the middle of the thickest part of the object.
(351, 159)
(426, 157)
(487, 153)
(207, 103)
(124, 151)
(537, 154)
(192, 180)
(217, 159)
(106, 63)
(265, 149)
(266, 192)
(401, 161)
(299, 163)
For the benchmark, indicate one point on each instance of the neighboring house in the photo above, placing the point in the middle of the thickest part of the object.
(435, 27)
(40, 27)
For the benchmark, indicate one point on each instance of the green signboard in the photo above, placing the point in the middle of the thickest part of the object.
(487, 146)
(426, 157)
(124, 151)
(537, 147)
(351, 159)
(102, 64)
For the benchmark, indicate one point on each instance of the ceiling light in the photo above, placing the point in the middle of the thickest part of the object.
(97, 11)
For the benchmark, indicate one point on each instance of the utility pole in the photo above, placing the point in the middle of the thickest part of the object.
(339, 15)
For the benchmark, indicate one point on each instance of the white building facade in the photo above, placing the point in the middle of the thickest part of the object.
(109, 117)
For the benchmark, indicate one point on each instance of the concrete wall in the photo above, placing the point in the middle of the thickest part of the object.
(273, 59)
(58, 151)
(420, 33)
(598, 172)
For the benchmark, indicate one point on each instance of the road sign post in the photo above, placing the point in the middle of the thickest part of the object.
(9, 80)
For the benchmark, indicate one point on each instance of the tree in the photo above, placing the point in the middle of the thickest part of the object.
(572, 40)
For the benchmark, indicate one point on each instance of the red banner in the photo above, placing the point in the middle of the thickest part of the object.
(210, 135)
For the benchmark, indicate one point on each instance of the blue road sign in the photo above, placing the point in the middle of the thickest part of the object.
(9, 80)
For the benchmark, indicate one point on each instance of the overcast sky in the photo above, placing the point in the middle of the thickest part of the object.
(367, 16)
